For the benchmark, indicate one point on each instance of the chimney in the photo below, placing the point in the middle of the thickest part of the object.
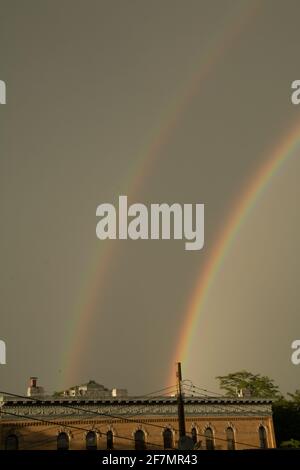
(33, 382)
(34, 389)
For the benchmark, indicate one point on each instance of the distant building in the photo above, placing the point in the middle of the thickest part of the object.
(92, 389)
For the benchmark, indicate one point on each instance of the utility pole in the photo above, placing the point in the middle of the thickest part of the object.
(180, 403)
(184, 442)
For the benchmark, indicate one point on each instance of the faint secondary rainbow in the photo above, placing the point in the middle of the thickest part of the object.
(77, 333)
(208, 273)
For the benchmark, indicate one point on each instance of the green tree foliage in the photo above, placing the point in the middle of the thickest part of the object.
(292, 443)
(286, 417)
(259, 386)
(295, 397)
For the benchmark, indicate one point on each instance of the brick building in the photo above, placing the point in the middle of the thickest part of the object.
(134, 423)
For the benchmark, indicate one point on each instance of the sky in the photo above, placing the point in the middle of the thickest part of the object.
(162, 101)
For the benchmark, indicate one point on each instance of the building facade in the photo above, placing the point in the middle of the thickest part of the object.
(135, 423)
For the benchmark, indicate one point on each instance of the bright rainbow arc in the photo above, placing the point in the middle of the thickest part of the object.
(76, 336)
(208, 274)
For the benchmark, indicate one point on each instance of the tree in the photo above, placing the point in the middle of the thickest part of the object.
(258, 385)
(292, 443)
(286, 417)
(295, 397)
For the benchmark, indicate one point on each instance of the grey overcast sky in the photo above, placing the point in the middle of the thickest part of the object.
(163, 101)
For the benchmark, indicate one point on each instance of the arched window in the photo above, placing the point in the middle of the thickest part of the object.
(209, 439)
(62, 441)
(230, 439)
(91, 441)
(263, 443)
(11, 442)
(194, 435)
(109, 440)
(168, 438)
(139, 438)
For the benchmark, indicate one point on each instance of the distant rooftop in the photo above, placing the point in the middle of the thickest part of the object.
(92, 389)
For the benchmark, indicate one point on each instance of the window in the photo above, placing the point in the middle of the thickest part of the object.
(139, 438)
(62, 441)
(168, 438)
(194, 435)
(209, 439)
(230, 439)
(11, 442)
(91, 441)
(109, 440)
(262, 437)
